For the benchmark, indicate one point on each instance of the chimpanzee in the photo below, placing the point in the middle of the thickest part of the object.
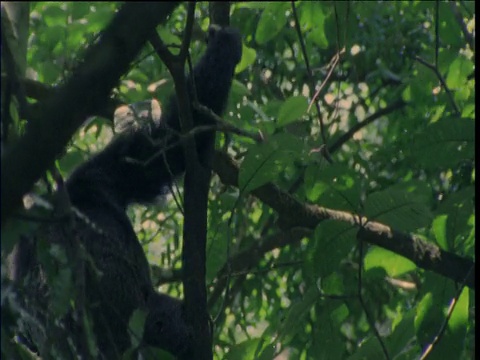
(135, 167)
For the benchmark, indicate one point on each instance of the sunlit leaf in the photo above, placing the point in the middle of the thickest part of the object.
(292, 110)
(272, 20)
(394, 265)
(248, 58)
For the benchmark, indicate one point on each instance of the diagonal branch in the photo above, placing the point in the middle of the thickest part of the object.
(442, 82)
(349, 134)
(293, 213)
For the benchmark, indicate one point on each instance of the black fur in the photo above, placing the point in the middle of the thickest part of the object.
(127, 171)
(120, 170)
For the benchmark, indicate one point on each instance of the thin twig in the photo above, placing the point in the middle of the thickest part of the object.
(332, 65)
(309, 70)
(458, 16)
(222, 125)
(370, 320)
(162, 51)
(437, 36)
(349, 134)
(442, 81)
(187, 35)
(443, 328)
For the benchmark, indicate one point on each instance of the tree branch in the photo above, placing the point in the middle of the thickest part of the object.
(196, 187)
(293, 213)
(349, 134)
(442, 81)
(466, 34)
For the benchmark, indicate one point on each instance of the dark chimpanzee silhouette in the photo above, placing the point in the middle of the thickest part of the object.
(135, 167)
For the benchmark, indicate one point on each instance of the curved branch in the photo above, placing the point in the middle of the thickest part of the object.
(293, 213)
(310, 74)
(349, 134)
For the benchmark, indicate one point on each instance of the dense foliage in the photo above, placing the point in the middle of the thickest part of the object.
(366, 108)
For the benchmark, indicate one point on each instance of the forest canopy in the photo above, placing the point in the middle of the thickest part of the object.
(341, 210)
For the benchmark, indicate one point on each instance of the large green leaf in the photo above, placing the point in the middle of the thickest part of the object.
(333, 185)
(394, 265)
(248, 58)
(458, 208)
(312, 19)
(291, 110)
(333, 242)
(403, 339)
(400, 209)
(445, 143)
(264, 162)
(272, 20)
(297, 314)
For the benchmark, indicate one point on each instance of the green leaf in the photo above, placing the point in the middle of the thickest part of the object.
(250, 4)
(403, 336)
(54, 14)
(72, 159)
(439, 228)
(431, 309)
(54, 35)
(238, 89)
(312, 19)
(445, 143)
(244, 350)
(296, 315)
(402, 210)
(248, 58)
(217, 250)
(459, 208)
(423, 316)
(340, 314)
(170, 39)
(333, 185)
(458, 72)
(332, 285)
(136, 325)
(264, 162)
(449, 29)
(79, 9)
(15, 228)
(272, 20)
(291, 110)
(326, 340)
(267, 353)
(394, 265)
(333, 242)
(62, 290)
(453, 339)
(369, 349)
(459, 318)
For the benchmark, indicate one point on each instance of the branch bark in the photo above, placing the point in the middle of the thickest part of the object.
(293, 213)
